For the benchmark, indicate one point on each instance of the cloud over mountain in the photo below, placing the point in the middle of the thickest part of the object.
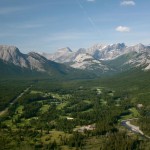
(123, 29)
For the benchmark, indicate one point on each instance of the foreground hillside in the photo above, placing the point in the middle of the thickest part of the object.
(76, 114)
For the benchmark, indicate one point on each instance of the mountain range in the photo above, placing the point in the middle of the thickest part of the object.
(13, 62)
(104, 58)
(98, 59)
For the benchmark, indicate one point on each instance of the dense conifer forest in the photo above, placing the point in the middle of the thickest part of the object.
(75, 114)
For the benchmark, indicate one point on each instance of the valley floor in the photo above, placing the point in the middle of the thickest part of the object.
(72, 115)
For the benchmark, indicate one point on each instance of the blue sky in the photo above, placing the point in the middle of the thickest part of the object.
(46, 25)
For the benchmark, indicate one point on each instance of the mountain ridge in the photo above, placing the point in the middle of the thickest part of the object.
(13, 62)
(99, 60)
(104, 53)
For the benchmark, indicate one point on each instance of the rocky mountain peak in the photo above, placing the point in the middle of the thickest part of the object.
(36, 55)
(137, 48)
(118, 46)
(8, 50)
(81, 50)
(11, 54)
(140, 46)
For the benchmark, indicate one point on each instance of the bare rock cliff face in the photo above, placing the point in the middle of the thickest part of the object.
(101, 53)
(11, 54)
(32, 61)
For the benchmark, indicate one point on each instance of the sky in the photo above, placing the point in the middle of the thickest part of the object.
(47, 25)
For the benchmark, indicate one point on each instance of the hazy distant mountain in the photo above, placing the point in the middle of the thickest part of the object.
(62, 55)
(107, 52)
(79, 59)
(137, 56)
(99, 56)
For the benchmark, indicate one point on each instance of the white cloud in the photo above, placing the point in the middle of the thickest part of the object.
(90, 0)
(123, 29)
(128, 3)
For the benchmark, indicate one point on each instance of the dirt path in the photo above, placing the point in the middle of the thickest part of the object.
(20, 95)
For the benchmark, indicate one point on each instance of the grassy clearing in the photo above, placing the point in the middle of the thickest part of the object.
(62, 105)
(25, 122)
(36, 92)
(97, 88)
(8, 123)
(126, 117)
(54, 136)
(99, 91)
(94, 143)
(133, 114)
(60, 97)
(57, 96)
(44, 108)
(87, 101)
(19, 110)
(103, 102)
(111, 94)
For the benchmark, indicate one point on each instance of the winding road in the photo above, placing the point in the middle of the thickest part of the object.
(20, 95)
